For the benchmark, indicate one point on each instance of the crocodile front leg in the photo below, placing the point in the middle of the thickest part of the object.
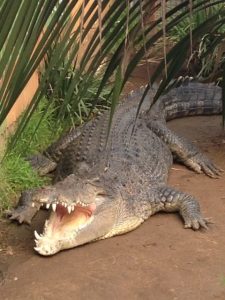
(170, 200)
(25, 210)
(184, 151)
(42, 164)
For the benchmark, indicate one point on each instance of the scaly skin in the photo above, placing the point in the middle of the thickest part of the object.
(104, 190)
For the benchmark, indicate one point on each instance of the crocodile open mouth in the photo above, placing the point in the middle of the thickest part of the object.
(65, 220)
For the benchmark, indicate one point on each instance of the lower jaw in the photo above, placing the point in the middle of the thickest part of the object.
(60, 230)
(48, 245)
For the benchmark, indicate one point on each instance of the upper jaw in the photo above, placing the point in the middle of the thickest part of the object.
(51, 199)
(54, 203)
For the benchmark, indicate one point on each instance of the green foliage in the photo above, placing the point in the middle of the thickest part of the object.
(35, 139)
(98, 36)
(207, 56)
(43, 128)
(15, 173)
(72, 92)
(195, 19)
(24, 42)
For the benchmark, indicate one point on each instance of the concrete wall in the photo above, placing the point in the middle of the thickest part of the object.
(21, 104)
(23, 101)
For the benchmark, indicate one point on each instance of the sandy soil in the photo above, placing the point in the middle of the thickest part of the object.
(160, 260)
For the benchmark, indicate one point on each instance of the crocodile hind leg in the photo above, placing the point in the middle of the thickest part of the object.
(25, 210)
(184, 151)
(171, 200)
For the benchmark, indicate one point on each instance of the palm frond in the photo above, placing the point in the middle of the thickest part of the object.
(103, 39)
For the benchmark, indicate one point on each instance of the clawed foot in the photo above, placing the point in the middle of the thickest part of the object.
(197, 222)
(24, 212)
(21, 214)
(200, 163)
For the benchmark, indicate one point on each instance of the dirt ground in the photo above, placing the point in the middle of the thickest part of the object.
(159, 261)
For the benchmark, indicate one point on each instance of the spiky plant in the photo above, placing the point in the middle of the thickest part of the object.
(100, 38)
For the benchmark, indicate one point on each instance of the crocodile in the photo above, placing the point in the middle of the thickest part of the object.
(104, 189)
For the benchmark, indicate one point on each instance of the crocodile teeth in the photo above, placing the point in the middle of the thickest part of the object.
(81, 203)
(48, 205)
(72, 208)
(37, 249)
(54, 206)
(33, 204)
(69, 209)
(37, 235)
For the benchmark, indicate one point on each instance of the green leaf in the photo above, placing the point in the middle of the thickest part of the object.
(115, 95)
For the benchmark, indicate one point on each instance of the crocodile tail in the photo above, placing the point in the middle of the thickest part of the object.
(192, 99)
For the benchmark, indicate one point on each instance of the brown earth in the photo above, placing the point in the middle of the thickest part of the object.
(160, 260)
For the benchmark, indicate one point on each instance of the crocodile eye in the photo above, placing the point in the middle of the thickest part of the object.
(101, 194)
